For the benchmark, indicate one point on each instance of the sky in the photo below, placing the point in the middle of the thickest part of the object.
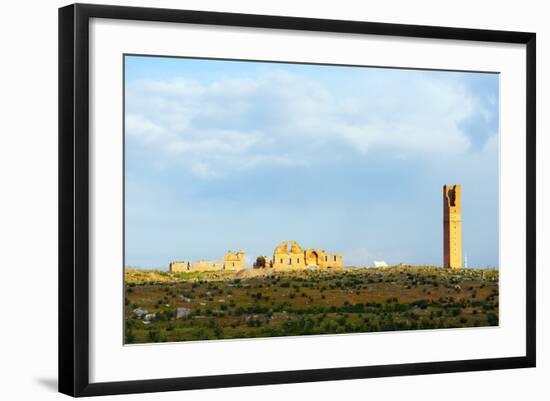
(236, 155)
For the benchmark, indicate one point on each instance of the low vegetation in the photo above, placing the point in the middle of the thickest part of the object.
(162, 306)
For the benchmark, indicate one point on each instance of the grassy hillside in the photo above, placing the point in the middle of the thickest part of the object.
(163, 306)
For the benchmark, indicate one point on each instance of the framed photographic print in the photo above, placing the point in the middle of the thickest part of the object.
(251, 199)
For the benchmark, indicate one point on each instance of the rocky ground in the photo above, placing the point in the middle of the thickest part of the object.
(162, 306)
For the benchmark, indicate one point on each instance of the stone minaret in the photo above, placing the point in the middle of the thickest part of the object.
(452, 227)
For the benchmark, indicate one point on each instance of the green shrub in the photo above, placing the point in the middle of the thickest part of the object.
(492, 319)
(129, 337)
(154, 336)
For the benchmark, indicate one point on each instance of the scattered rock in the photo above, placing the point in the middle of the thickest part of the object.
(150, 316)
(183, 313)
(139, 313)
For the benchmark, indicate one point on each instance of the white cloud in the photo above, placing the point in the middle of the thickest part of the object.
(279, 118)
(142, 129)
(201, 169)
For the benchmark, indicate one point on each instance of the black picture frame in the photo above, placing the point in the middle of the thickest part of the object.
(74, 198)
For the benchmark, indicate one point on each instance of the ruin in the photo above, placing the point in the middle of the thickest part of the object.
(231, 261)
(452, 227)
(290, 255)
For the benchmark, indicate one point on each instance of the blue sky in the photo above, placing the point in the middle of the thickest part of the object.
(243, 155)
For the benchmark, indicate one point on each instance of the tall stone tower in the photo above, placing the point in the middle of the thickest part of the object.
(452, 227)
